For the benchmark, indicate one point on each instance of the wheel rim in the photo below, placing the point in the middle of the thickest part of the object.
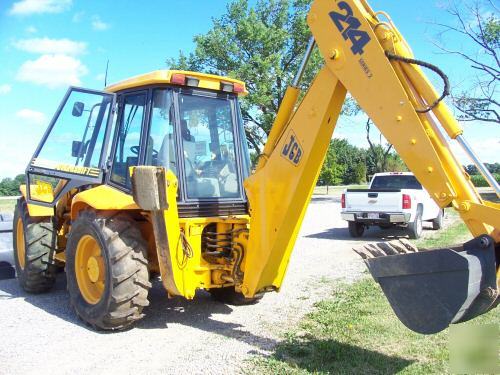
(20, 244)
(90, 269)
(419, 226)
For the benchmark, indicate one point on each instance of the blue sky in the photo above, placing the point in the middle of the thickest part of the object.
(47, 45)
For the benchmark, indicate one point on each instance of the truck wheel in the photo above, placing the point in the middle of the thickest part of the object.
(356, 229)
(107, 271)
(33, 239)
(437, 223)
(231, 297)
(415, 228)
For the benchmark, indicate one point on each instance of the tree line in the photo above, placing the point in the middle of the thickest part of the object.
(344, 164)
(347, 164)
(10, 186)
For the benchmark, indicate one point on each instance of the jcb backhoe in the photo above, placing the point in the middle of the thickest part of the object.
(152, 176)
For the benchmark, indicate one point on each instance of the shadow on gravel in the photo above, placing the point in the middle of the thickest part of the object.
(197, 313)
(161, 312)
(370, 234)
(326, 198)
(333, 357)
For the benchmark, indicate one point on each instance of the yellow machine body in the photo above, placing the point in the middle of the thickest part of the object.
(261, 240)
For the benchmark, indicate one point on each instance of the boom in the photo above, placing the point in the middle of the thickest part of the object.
(370, 59)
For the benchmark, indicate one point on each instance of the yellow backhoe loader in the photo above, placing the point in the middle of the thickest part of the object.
(152, 176)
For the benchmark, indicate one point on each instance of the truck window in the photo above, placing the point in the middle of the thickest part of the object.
(396, 182)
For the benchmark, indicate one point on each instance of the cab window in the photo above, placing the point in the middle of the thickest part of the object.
(160, 150)
(208, 142)
(128, 140)
(75, 141)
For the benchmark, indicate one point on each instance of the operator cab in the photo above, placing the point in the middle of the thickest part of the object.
(187, 122)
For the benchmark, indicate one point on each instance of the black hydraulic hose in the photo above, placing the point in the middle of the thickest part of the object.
(434, 68)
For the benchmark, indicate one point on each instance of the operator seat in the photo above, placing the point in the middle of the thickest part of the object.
(197, 187)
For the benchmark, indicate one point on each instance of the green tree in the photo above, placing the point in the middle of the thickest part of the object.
(350, 158)
(331, 172)
(10, 187)
(263, 46)
(360, 171)
(472, 170)
(344, 164)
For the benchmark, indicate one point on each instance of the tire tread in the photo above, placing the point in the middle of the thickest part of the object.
(127, 253)
(39, 273)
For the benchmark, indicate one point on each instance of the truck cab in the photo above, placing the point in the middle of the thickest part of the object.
(392, 199)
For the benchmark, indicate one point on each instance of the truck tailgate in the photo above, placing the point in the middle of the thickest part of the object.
(373, 200)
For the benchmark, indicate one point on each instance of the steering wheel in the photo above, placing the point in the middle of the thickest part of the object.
(135, 151)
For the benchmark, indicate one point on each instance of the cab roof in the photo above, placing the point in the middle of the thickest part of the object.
(181, 78)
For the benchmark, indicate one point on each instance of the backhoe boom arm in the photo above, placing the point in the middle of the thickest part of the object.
(370, 59)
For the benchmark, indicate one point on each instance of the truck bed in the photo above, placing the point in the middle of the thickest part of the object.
(373, 200)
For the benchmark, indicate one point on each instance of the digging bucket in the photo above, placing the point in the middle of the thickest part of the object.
(431, 289)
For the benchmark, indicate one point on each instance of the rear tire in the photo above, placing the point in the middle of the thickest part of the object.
(107, 271)
(415, 228)
(437, 223)
(356, 229)
(230, 296)
(34, 244)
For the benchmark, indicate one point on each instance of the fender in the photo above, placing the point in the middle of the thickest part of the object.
(102, 197)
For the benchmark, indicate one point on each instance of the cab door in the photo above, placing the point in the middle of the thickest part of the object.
(73, 150)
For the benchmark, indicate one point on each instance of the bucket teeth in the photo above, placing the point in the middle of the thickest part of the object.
(380, 249)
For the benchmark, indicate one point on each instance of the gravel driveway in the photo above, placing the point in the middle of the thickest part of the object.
(39, 333)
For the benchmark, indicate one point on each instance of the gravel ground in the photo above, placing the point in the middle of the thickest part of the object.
(39, 333)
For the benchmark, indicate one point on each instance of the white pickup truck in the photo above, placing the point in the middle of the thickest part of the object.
(392, 199)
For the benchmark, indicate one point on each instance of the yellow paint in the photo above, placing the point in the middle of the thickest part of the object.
(20, 244)
(103, 198)
(206, 81)
(189, 271)
(282, 117)
(390, 93)
(386, 90)
(61, 257)
(90, 269)
(183, 267)
(35, 210)
(279, 191)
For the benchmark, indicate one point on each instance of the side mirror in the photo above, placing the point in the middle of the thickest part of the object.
(78, 109)
(78, 149)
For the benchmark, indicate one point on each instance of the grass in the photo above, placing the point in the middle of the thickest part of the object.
(7, 205)
(356, 332)
(456, 232)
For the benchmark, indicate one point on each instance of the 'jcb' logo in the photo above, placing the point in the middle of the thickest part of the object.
(349, 25)
(292, 151)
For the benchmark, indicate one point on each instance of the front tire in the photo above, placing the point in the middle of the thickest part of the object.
(415, 228)
(356, 229)
(107, 271)
(34, 244)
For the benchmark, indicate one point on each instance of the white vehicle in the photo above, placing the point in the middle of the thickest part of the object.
(392, 199)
